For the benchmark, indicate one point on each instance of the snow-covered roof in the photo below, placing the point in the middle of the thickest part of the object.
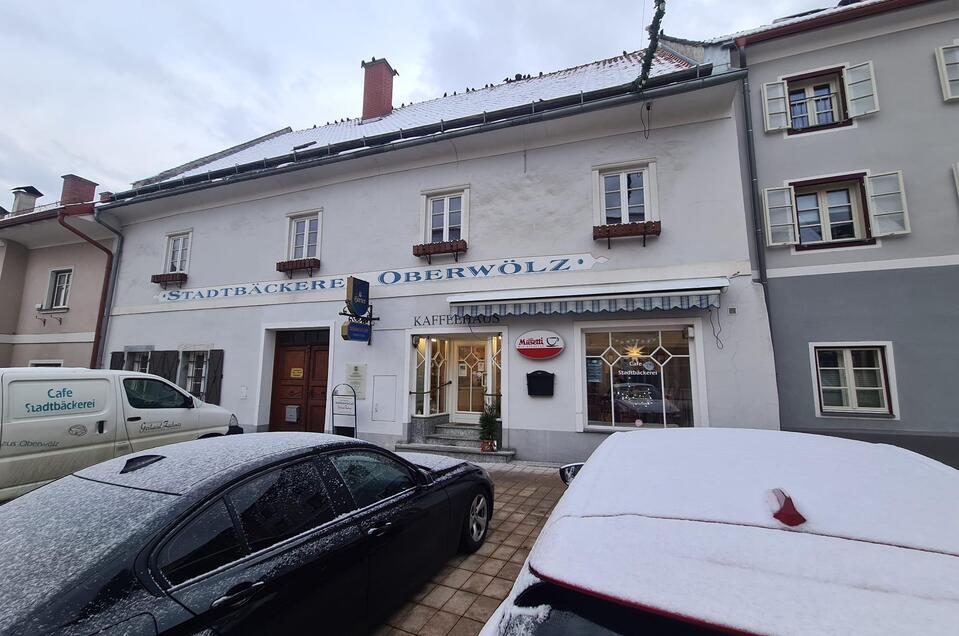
(186, 464)
(599, 75)
(681, 521)
(798, 19)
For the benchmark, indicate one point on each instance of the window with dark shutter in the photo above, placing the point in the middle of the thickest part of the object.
(214, 376)
(116, 360)
(165, 364)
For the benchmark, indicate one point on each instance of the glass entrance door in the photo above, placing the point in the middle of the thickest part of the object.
(470, 380)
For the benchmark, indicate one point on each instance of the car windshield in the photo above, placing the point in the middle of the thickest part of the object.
(550, 610)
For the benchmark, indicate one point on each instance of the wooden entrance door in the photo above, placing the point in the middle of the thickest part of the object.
(299, 388)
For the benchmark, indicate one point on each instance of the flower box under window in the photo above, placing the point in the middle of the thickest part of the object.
(297, 264)
(171, 278)
(621, 230)
(443, 247)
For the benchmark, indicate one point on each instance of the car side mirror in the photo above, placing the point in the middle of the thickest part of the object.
(567, 472)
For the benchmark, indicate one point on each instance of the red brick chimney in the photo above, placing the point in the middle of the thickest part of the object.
(77, 190)
(377, 88)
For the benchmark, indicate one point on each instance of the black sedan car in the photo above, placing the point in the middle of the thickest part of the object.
(264, 533)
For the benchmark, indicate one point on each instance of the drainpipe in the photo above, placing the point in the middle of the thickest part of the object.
(114, 275)
(107, 274)
(754, 193)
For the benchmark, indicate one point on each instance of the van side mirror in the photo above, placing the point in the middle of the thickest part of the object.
(567, 472)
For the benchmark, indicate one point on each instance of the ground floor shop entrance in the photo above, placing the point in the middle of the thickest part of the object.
(457, 375)
(300, 369)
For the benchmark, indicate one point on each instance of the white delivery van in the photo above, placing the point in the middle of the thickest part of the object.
(55, 421)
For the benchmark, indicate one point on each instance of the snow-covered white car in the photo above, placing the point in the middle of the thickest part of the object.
(696, 531)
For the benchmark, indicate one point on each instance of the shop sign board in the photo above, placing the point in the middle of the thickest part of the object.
(344, 405)
(357, 296)
(356, 331)
(540, 344)
(467, 271)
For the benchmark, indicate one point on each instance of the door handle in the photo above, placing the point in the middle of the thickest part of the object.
(100, 424)
(135, 418)
(238, 595)
(379, 531)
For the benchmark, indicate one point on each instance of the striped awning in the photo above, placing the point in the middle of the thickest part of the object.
(646, 296)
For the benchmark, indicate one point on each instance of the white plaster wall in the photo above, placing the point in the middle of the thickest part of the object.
(531, 195)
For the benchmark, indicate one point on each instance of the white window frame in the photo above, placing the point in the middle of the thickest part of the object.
(426, 212)
(291, 238)
(871, 210)
(168, 252)
(947, 94)
(697, 367)
(650, 191)
(836, 108)
(129, 358)
(187, 369)
(850, 108)
(892, 393)
(50, 299)
(821, 191)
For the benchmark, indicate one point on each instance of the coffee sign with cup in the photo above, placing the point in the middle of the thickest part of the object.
(540, 344)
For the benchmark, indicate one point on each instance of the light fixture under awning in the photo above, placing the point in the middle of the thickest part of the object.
(687, 293)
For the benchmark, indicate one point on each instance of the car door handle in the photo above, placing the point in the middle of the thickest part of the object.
(379, 531)
(135, 418)
(238, 595)
(100, 424)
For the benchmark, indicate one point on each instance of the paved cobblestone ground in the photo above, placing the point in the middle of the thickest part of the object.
(465, 592)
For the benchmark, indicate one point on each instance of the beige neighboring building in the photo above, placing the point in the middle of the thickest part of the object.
(51, 279)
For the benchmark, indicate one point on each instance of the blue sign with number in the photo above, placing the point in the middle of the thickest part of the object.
(357, 296)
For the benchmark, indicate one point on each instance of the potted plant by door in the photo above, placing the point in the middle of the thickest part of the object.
(488, 428)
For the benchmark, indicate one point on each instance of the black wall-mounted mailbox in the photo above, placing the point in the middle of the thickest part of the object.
(540, 383)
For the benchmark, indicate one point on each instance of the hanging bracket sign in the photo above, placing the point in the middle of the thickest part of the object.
(357, 296)
(359, 311)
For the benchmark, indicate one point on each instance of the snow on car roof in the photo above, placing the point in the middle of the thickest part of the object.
(680, 521)
(51, 537)
(188, 463)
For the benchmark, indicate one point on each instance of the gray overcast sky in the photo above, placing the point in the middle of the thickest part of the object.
(117, 90)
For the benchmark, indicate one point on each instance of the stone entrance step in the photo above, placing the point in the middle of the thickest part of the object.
(453, 440)
(461, 431)
(459, 452)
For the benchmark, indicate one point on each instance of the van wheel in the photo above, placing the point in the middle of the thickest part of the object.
(476, 524)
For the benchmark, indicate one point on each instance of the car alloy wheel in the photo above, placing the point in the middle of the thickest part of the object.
(479, 517)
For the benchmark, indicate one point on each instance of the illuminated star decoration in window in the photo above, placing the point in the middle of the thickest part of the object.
(634, 351)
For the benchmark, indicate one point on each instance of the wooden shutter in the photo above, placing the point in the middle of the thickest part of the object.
(116, 360)
(887, 204)
(214, 376)
(165, 364)
(780, 216)
(861, 97)
(947, 59)
(776, 106)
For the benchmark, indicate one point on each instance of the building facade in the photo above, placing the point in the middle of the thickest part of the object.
(555, 247)
(51, 279)
(855, 113)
